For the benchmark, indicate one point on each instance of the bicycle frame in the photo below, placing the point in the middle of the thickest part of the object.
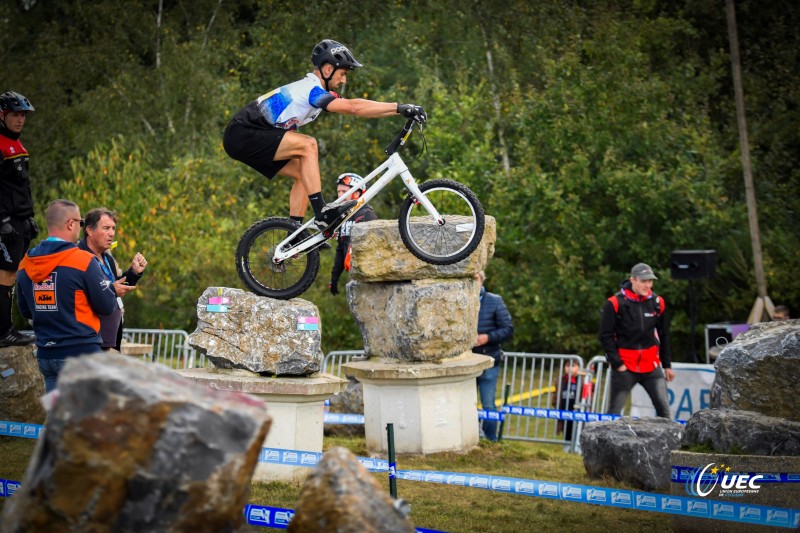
(391, 168)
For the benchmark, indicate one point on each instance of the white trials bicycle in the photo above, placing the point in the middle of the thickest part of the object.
(441, 222)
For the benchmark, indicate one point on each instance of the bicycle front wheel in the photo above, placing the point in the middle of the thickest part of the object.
(261, 274)
(459, 233)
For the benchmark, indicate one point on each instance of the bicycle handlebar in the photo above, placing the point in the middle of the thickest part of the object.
(401, 137)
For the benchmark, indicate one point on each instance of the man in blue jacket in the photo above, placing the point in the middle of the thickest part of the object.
(63, 290)
(494, 328)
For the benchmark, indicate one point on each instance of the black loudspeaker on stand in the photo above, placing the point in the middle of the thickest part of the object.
(693, 265)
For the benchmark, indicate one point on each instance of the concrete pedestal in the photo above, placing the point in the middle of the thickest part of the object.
(296, 405)
(433, 406)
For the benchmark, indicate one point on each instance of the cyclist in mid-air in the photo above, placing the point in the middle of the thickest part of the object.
(264, 136)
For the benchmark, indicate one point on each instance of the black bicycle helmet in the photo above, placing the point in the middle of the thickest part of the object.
(11, 101)
(335, 53)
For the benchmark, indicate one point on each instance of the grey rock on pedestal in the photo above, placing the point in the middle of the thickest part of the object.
(341, 495)
(131, 446)
(21, 386)
(424, 320)
(632, 450)
(262, 335)
(759, 370)
(378, 254)
(732, 431)
(408, 309)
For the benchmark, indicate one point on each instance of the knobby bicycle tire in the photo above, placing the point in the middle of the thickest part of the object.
(260, 274)
(462, 231)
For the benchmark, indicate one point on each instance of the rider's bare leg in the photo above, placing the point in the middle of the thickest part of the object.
(303, 166)
(298, 198)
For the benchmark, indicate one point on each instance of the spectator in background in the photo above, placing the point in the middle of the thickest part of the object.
(341, 261)
(781, 312)
(634, 333)
(494, 328)
(99, 231)
(17, 227)
(567, 395)
(62, 288)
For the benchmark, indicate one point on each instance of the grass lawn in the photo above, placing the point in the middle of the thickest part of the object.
(457, 509)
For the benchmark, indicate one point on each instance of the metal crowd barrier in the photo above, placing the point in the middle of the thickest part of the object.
(333, 361)
(534, 380)
(170, 347)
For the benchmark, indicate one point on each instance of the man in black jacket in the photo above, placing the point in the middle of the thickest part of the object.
(17, 227)
(634, 333)
(99, 231)
(494, 328)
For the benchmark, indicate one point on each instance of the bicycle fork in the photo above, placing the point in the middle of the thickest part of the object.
(411, 185)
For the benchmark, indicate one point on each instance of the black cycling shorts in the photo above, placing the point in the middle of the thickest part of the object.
(14, 245)
(255, 147)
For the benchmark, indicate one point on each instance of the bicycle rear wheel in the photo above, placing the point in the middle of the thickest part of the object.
(258, 271)
(457, 237)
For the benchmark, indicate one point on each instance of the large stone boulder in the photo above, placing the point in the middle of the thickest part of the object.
(633, 450)
(742, 432)
(423, 320)
(21, 386)
(341, 495)
(758, 371)
(132, 446)
(378, 254)
(262, 335)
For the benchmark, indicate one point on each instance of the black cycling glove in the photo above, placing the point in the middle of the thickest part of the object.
(33, 229)
(334, 287)
(412, 111)
(5, 227)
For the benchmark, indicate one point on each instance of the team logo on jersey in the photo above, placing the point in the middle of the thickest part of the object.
(44, 294)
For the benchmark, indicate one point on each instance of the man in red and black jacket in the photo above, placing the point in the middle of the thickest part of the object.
(17, 227)
(634, 332)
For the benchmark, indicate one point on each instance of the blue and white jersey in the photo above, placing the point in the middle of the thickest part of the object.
(295, 104)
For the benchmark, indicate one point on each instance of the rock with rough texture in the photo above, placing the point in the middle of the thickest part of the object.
(262, 335)
(378, 254)
(21, 386)
(636, 451)
(425, 320)
(132, 446)
(350, 401)
(730, 431)
(758, 371)
(341, 495)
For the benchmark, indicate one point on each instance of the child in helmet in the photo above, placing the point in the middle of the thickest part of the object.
(342, 260)
(264, 134)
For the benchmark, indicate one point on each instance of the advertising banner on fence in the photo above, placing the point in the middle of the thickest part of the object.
(689, 392)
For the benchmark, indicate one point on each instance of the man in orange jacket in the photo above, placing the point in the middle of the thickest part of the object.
(63, 290)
